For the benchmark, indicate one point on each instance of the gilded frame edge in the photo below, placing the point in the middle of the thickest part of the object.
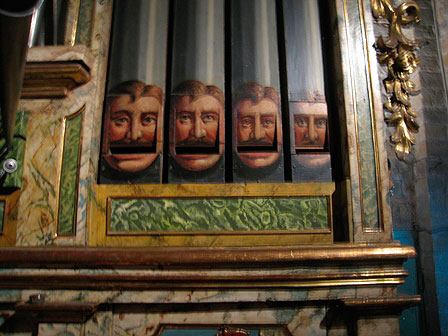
(364, 22)
(58, 203)
(384, 233)
(101, 195)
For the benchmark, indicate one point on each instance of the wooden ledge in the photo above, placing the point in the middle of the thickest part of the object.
(380, 305)
(85, 257)
(56, 312)
(53, 79)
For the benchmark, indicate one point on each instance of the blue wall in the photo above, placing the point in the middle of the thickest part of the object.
(409, 319)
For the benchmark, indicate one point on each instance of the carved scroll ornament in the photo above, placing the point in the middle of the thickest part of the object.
(398, 54)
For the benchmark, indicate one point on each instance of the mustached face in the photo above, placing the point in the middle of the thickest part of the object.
(132, 126)
(310, 130)
(199, 127)
(258, 126)
(310, 124)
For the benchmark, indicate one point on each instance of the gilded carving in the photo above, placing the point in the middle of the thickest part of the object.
(398, 54)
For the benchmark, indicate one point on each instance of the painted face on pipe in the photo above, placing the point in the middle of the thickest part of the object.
(198, 127)
(257, 128)
(132, 125)
(310, 125)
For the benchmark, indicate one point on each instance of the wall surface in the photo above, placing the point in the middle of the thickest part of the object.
(437, 177)
(419, 196)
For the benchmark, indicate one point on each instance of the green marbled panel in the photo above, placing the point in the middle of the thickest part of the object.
(369, 187)
(2, 215)
(69, 174)
(84, 27)
(17, 152)
(364, 111)
(219, 214)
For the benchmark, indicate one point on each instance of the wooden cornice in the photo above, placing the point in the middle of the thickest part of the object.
(53, 79)
(149, 268)
(183, 280)
(370, 306)
(87, 257)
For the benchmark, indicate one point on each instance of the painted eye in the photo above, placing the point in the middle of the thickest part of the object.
(148, 120)
(208, 118)
(321, 123)
(184, 118)
(301, 122)
(121, 121)
(246, 122)
(268, 122)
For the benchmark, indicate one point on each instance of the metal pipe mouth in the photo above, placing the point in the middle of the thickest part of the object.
(19, 8)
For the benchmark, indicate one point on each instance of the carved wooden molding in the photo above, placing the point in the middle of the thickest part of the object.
(397, 52)
(135, 281)
(85, 257)
(53, 79)
(168, 268)
(369, 306)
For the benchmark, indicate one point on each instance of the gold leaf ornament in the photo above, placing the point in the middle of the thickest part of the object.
(397, 52)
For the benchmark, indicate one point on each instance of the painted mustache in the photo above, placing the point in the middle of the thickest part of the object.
(194, 142)
(307, 141)
(122, 143)
(255, 142)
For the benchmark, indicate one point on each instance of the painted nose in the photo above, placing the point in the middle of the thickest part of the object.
(259, 131)
(198, 129)
(135, 131)
(312, 134)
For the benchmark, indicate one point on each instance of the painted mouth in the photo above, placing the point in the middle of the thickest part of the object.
(254, 156)
(195, 156)
(125, 157)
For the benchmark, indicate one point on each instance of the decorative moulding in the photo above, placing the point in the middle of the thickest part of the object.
(53, 79)
(397, 52)
(325, 266)
(371, 306)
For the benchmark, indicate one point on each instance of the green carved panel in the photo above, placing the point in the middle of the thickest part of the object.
(14, 180)
(84, 27)
(2, 215)
(218, 214)
(69, 176)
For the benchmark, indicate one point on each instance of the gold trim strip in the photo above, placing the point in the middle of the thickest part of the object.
(355, 117)
(197, 256)
(383, 301)
(14, 282)
(373, 126)
(214, 190)
(379, 209)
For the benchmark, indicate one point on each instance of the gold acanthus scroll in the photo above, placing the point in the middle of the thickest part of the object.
(398, 54)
